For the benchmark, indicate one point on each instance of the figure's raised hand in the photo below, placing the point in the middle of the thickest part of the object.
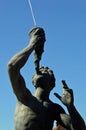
(37, 36)
(67, 95)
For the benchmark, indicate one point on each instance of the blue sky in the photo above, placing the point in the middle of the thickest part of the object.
(64, 23)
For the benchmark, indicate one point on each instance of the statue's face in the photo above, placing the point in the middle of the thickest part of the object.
(36, 79)
(43, 80)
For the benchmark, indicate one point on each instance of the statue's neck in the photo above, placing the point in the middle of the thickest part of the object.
(41, 94)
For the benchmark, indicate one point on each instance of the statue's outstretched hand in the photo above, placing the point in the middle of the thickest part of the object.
(67, 97)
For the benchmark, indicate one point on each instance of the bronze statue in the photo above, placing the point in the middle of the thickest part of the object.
(36, 111)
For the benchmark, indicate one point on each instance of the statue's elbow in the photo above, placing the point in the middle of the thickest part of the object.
(10, 66)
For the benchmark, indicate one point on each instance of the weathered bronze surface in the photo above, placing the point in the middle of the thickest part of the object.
(36, 111)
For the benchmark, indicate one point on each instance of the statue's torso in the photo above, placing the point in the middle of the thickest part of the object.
(34, 115)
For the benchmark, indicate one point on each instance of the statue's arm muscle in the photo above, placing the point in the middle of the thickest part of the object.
(18, 83)
(14, 66)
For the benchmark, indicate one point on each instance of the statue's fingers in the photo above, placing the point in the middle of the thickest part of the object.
(64, 84)
(70, 91)
(58, 96)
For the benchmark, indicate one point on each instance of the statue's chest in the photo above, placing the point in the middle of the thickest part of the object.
(32, 115)
(32, 109)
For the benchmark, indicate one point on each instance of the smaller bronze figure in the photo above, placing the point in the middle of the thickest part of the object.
(59, 127)
(36, 111)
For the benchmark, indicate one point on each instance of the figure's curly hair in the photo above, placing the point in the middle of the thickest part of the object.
(48, 71)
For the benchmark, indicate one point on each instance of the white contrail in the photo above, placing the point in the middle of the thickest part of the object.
(32, 13)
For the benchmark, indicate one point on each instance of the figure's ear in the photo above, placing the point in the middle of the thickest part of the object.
(33, 80)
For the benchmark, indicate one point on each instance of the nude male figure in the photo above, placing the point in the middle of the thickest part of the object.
(36, 111)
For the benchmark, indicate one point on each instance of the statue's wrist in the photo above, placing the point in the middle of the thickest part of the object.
(70, 106)
(32, 44)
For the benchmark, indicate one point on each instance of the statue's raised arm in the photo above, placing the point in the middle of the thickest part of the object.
(18, 61)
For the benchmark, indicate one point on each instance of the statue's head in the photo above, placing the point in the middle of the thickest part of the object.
(45, 79)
